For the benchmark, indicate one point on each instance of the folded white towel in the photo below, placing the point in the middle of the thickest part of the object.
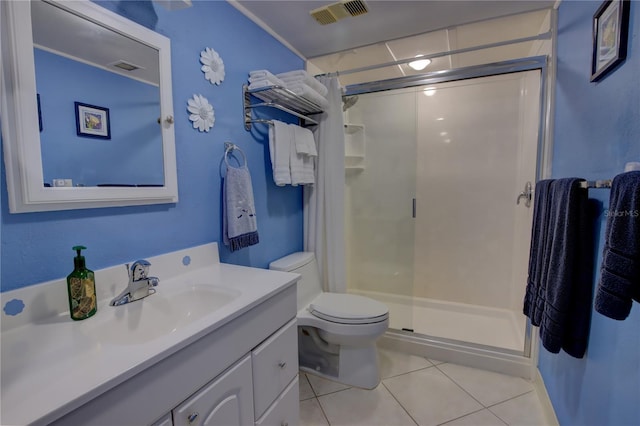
(271, 79)
(258, 74)
(305, 143)
(303, 77)
(280, 143)
(304, 91)
(302, 165)
(259, 84)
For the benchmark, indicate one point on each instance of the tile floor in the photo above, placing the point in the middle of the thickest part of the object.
(419, 391)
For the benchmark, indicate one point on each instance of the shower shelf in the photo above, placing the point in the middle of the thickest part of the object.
(354, 146)
(279, 98)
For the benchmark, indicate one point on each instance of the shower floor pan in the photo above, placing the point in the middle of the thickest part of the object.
(499, 328)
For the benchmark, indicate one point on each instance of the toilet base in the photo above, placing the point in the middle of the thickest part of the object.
(353, 366)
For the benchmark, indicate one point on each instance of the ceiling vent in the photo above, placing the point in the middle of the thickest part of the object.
(340, 10)
(127, 66)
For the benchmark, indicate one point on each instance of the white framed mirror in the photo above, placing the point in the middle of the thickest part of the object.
(103, 137)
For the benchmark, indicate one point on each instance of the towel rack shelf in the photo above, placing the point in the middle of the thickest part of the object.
(279, 98)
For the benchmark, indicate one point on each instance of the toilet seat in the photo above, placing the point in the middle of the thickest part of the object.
(348, 309)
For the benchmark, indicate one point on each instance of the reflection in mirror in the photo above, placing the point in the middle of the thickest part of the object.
(79, 61)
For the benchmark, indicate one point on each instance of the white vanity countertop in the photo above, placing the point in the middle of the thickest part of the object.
(53, 365)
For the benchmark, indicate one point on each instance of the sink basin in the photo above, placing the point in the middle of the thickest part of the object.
(162, 313)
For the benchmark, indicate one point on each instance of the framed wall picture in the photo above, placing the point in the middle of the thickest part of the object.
(92, 121)
(610, 33)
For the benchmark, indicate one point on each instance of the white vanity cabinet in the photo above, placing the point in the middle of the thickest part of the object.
(263, 382)
(242, 373)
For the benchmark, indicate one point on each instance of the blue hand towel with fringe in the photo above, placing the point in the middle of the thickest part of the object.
(240, 227)
(620, 270)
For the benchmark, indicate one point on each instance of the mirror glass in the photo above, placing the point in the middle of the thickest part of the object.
(98, 94)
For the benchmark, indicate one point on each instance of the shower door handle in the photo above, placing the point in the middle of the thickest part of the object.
(526, 194)
(413, 209)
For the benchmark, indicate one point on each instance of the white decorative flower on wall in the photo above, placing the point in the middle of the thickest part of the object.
(201, 113)
(212, 65)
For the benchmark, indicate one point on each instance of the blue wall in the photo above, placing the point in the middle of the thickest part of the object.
(597, 130)
(37, 246)
(133, 155)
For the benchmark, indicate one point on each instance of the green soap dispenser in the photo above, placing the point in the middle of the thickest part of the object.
(81, 285)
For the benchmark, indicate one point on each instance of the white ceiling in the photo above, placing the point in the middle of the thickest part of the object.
(386, 20)
(64, 33)
(463, 37)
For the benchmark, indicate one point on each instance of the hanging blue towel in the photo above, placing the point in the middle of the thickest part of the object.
(534, 296)
(240, 227)
(559, 287)
(620, 270)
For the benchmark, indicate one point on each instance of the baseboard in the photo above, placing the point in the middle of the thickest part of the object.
(545, 401)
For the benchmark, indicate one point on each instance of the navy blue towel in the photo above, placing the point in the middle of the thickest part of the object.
(559, 287)
(534, 296)
(620, 271)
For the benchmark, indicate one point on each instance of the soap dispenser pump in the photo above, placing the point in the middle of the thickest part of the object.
(81, 286)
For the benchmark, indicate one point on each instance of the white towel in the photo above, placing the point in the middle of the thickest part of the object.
(303, 77)
(303, 90)
(263, 75)
(259, 84)
(302, 165)
(280, 143)
(272, 80)
(305, 143)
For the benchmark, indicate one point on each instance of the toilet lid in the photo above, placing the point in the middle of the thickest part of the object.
(348, 308)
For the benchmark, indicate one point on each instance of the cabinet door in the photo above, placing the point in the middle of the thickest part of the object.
(285, 411)
(164, 421)
(227, 400)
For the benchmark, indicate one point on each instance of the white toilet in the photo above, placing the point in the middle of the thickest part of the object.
(337, 332)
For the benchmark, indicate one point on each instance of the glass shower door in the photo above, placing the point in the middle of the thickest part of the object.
(380, 146)
(477, 148)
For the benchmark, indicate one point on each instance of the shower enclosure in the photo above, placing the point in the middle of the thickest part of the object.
(438, 218)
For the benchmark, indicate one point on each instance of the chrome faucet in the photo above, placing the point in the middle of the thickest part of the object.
(140, 284)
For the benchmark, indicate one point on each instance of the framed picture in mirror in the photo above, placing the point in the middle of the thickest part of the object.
(92, 121)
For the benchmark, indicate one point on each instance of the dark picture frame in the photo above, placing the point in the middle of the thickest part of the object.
(39, 112)
(610, 36)
(92, 121)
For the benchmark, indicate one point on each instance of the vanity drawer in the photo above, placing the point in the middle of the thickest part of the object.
(274, 365)
(286, 410)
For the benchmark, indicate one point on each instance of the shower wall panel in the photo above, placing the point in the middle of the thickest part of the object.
(380, 224)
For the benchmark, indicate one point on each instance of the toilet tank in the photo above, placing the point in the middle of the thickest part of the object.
(303, 263)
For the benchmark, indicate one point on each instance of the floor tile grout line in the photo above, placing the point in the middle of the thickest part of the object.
(472, 413)
(300, 373)
(323, 413)
(485, 406)
(399, 403)
(514, 397)
(458, 385)
(335, 391)
(408, 372)
(510, 399)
